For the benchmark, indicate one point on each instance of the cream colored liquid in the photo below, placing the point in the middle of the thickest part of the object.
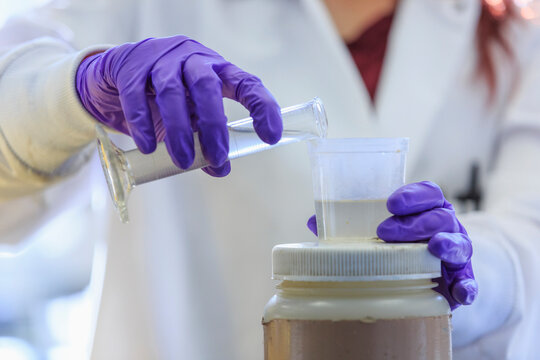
(350, 219)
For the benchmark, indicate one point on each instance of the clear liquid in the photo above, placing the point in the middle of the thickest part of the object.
(244, 142)
(348, 220)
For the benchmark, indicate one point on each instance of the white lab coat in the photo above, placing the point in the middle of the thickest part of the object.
(189, 276)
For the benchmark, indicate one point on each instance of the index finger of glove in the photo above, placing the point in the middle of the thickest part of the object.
(419, 226)
(205, 88)
(415, 198)
(248, 90)
(171, 99)
(132, 95)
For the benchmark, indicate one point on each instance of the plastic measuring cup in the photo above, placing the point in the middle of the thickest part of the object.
(352, 178)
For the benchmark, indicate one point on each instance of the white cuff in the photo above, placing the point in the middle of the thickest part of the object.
(42, 120)
(495, 266)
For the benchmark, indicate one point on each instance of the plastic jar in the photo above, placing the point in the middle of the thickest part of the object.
(362, 300)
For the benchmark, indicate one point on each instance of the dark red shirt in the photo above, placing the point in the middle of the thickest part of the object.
(368, 52)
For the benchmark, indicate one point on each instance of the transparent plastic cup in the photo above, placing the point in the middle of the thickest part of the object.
(352, 178)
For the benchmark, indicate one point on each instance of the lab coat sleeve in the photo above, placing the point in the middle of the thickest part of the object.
(506, 237)
(43, 126)
(45, 132)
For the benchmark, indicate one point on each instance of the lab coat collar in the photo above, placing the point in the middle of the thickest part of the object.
(427, 44)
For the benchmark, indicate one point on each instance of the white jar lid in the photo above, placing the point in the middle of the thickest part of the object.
(363, 260)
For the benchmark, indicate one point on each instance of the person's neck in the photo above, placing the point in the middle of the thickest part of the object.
(353, 17)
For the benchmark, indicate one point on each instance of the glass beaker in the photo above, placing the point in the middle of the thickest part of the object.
(126, 169)
(352, 178)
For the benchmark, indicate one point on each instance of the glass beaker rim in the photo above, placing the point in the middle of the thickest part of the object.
(359, 145)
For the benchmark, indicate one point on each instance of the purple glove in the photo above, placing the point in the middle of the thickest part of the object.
(167, 88)
(422, 213)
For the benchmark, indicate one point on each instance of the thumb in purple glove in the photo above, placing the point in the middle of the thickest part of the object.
(312, 225)
(168, 88)
(422, 213)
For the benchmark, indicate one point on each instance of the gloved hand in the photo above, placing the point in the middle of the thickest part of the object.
(167, 88)
(422, 213)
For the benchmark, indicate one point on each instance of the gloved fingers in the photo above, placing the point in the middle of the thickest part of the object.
(171, 100)
(421, 226)
(455, 249)
(465, 290)
(205, 89)
(137, 114)
(312, 224)
(415, 198)
(159, 129)
(442, 288)
(219, 171)
(250, 92)
(192, 113)
(460, 283)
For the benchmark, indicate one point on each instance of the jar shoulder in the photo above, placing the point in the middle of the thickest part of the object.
(418, 304)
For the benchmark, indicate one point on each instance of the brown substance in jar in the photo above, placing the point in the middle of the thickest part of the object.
(422, 338)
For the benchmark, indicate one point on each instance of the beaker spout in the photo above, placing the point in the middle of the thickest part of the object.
(114, 167)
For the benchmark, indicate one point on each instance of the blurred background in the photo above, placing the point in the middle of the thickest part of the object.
(9, 8)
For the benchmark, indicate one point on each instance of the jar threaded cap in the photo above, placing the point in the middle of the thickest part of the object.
(363, 260)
